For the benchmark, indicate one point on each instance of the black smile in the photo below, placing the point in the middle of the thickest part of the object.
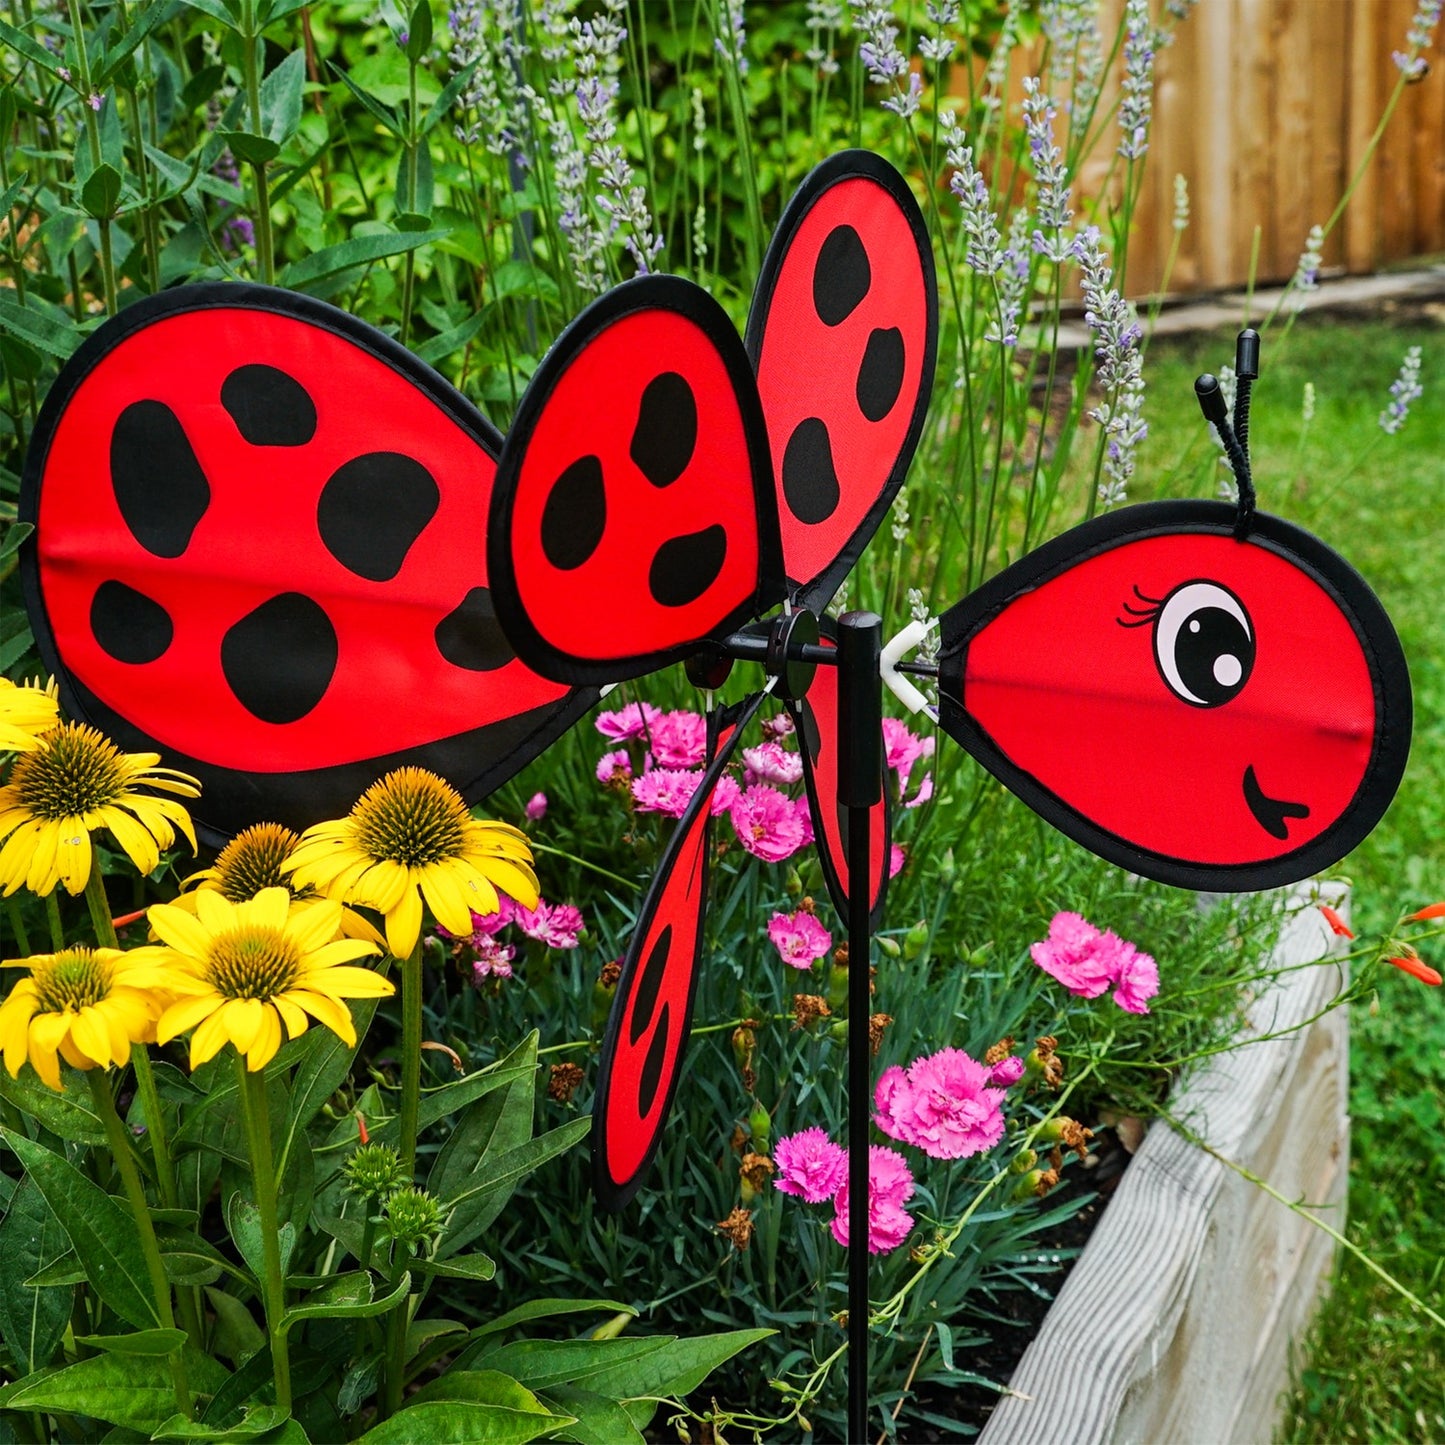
(1270, 813)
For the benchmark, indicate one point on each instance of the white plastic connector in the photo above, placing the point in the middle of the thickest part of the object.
(902, 689)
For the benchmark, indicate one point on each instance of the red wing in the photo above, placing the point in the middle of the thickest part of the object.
(815, 719)
(647, 1031)
(248, 507)
(634, 513)
(843, 334)
(1211, 712)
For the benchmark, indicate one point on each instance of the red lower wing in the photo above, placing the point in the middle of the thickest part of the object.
(647, 1032)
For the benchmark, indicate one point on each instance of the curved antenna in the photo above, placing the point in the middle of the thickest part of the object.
(1216, 413)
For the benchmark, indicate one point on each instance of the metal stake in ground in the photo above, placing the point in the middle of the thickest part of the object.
(860, 787)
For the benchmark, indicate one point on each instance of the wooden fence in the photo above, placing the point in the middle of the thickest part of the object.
(1267, 107)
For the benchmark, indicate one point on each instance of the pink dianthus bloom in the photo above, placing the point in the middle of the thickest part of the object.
(924, 793)
(767, 823)
(627, 722)
(493, 960)
(896, 859)
(799, 938)
(536, 807)
(772, 763)
(726, 793)
(1006, 1072)
(555, 924)
(1137, 977)
(1072, 953)
(810, 1165)
(679, 739)
(777, 727)
(666, 790)
(903, 748)
(948, 1110)
(890, 1184)
(485, 925)
(615, 766)
(894, 1099)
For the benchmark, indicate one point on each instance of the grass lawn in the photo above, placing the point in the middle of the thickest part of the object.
(1375, 1368)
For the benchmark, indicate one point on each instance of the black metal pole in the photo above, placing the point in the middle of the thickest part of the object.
(860, 788)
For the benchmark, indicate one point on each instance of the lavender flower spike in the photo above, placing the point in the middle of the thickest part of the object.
(1403, 390)
(1410, 62)
(1136, 101)
(1051, 239)
(885, 63)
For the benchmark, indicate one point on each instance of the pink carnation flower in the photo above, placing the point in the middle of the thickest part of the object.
(1138, 977)
(810, 1164)
(1072, 953)
(555, 924)
(666, 790)
(777, 727)
(614, 766)
(627, 722)
(890, 1184)
(1006, 1072)
(896, 859)
(485, 925)
(772, 763)
(493, 960)
(767, 823)
(946, 1107)
(924, 793)
(903, 748)
(679, 739)
(726, 793)
(799, 938)
(536, 807)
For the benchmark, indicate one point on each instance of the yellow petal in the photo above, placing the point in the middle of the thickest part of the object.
(186, 1015)
(140, 846)
(312, 925)
(343, 982)
(294, 1018)
(382, 885)
(207, 1040)
(403, 924)
(42, 876)
(73, 858)
(242, 1019)
(268, 1040)
(183, 931)
(513, 878)
(336, 1016)
(342, 951)
(214, 911)
(91, 1035)
(268, 909)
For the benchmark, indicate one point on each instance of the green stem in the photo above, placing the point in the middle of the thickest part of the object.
(410, 1056)
(52, 917)
(257, 1117)
(135, 1195)
(99, 906)
(17, 922)
(265, 251)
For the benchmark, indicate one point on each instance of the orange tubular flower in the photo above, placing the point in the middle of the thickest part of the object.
(1336, 923)
(1416, 967)
(1433, 910)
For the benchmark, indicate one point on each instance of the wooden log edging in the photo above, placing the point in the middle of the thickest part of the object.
(1177, 1322)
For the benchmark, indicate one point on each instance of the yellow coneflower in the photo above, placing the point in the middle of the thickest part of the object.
(26, 713)
(411, 837)
(246, 971)
(76, 780)
(86, 1006)
(254, 860)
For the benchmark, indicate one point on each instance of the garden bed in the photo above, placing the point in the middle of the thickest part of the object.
(1177, 1321)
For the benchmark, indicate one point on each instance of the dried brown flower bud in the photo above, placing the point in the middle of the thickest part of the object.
(611, 972)
(999, 1051)
(807, 1007)
(738, 1227)
(876, 1025)
(756, 1169)
(1047, 1179)
(739, 1139)
(563, 1081)
(1076, 1137)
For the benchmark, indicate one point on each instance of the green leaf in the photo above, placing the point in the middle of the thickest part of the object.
(349, 1298)
(135, 34)
(101, 191)
(237, 1335)
(543, 1363)
(281, 98)
(320, 1074)
(217, 10)
(546, 1309)
(419, 32)
(142, 1342)
(257, 1420)
(358, 251)
(474, 1209)
(445, 343)
(20, 42)
(522, 278)
(246, 146)
(377, 108)
(414, 205)
(32, 1318)
(54, 337)
(675, 1370)
(481, 1387)
(600, 1421)
(358, 1384)
(243, 1219)
(459, 1422)
(102, 1233)
(469, 1266)
(60, 1113)
(130, 1390)
(15, 534)
(442, 105)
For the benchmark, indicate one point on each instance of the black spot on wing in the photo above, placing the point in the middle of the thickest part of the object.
(649, 985)
(159, 486)
(810, 480)
(841, 275)
(880, 377)
(372, 509)
(666, 431)
(470, 636)
(651, 1075)
(128, 625)
(280, 658)
(270, 408)
(575, 515)
(685, 567)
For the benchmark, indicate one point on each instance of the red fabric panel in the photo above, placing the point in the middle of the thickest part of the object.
(1076, 699)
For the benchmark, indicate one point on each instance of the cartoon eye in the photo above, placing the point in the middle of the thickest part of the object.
(1203, 644)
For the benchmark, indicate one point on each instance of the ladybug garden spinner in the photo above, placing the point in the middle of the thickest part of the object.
(276, 547)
